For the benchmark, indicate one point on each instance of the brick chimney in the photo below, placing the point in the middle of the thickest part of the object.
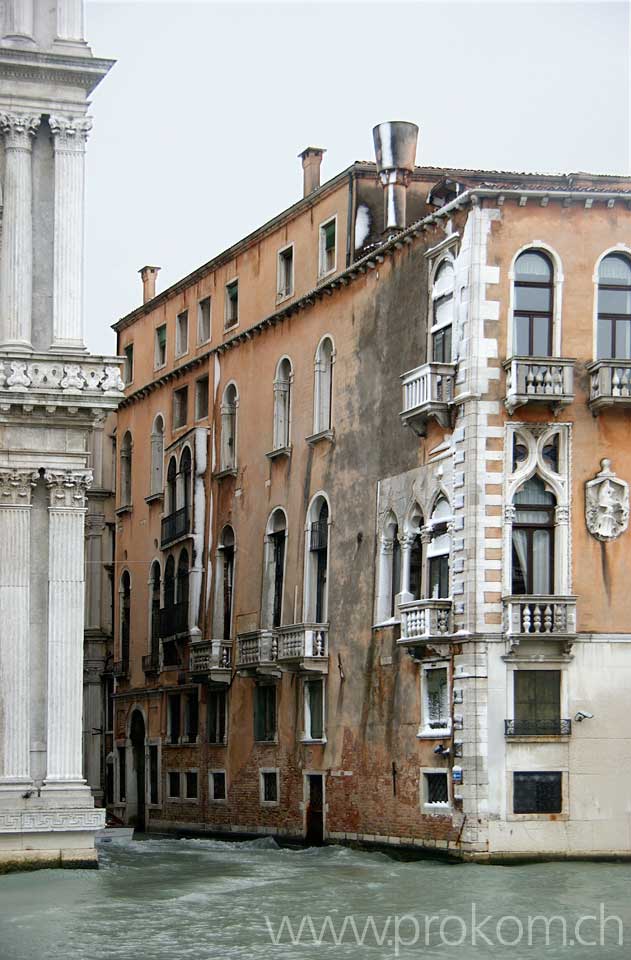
(148, 276)
(311, 163)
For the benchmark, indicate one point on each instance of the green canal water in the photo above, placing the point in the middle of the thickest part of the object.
(164, 899)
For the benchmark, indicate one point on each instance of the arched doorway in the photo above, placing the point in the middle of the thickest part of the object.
(136, 806)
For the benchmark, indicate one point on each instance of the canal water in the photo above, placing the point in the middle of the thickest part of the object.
(167, 899)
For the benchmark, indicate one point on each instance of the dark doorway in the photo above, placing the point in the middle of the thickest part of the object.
(137, 737)
(315, 810)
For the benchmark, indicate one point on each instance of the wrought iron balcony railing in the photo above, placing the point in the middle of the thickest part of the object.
(174, 620)
(538, 728)
(425, 620)
(546, 380)
(428, 391)
(175, 525)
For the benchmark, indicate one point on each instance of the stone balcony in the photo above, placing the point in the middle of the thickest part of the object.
(257, 653)
(540, 618)
(610, 384)
(211, 659)
(41, 379)
(541, 380)
(425, 621)
(304, 646)
(428, 393)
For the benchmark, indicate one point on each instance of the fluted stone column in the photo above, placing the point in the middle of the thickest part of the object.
(19, 20)
(16, 263)
(15, 521)
(65, 626)
(70, 20)
(69, 139)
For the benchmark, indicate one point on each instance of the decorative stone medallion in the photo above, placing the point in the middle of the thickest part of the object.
(606, 504)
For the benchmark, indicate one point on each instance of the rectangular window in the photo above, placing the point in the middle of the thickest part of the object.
(173, 783)
(128, 366)
(217, 709)
(537, 793)
(161, 346)
(153, 774)
(180, 407)
(232, 304)
(286, 272)
(190, 780)
(191, 717)
(174, 708)
(217, 784)
(439, 577)
(537, 702)
(441, 345)
(203, 320)
(201, 398)
(181, 333)
(435, 703)
(122, 776)
(436, 789)
(327, 247)
(314, 709)
(269, 786)
(265, 712)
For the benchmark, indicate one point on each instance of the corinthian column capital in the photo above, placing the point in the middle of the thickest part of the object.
(68, 488)
(15, 487)
(70, 133)
(18, 129)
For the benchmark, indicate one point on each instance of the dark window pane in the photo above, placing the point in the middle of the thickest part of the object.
(551, 453)
(314, 690)
(416, 567)
(614, 301)
(437, 788)
(270, 787)
(174, 784)
(533, 298)
(153, 774)
(541, 336)
(520, 562)
(522, 336)
(219, 786)
(191, 786)
(265, 712)
(122, 775)
(537, 793)
(439, 577)
(538, 695)
(216, 716)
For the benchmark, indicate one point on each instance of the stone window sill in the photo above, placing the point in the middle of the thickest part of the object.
(222, 474)
(322, 741)
(440, 733)
(127, 508)
(316, 438)
(154, 497)
(437, 809)
(279, 452)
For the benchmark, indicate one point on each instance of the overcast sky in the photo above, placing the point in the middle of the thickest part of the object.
(199, 123)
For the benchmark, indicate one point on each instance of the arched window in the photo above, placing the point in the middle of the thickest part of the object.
(323, 392)
(412, 576)
(171, 504)
(533, 539)
(125, 616)
(125, 470)
(225, 581)
(533, 305)
(182, 580)
(155, 610)
(316, 592)
(614, 307)
(157, 455)
(169, 583)
(275, 540)
(442, 313)
(229, 428)
(282, 404)
(184, 498)
(389, 574)
(438, 551)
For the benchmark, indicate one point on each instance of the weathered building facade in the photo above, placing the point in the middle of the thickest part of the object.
(358, 593)
(52, 395)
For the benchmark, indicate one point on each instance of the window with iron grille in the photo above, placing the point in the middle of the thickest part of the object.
(436, 788)
(265, 712)
(217, 784)
(537, 702)
(173, 781)
(269, 786)
(539, 792)
(436, 699)
(216, 707)
(190, 778)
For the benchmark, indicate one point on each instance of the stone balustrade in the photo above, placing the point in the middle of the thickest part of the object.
(540, 617)
(547, 380)
(610, 384)
(303, 645)
(425, 620)
(210, 655)
(428, 392)
(257, 649)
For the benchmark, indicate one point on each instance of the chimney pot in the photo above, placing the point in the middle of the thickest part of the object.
(148, 276)
(395, 150)
(311, 163)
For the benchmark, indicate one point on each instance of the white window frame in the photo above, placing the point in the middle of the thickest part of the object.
(320, 425)
(307, 738)
(183, 774)
(204, 415)
(434, 298)
(172, 796)
(211, 786)
(435, 809)
(276, 772)
(309, 600)
(156, 360)
(425, 731)
(230, 326)
(200, 339)
(322, 271)
(282, 294)
(557, 294)
(181, 349)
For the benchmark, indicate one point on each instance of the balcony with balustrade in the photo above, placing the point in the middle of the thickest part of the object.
(257, 653)
(211, 660)
(540, 618)
(175, 526)
(610, 384)
(304, 646)
(540, 380)
(428, 393)
(425, 621)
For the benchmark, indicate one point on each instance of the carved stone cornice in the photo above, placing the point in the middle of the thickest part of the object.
(68, 488)
(19, 130)
(69, 133)
(16, 487)
(42, 376)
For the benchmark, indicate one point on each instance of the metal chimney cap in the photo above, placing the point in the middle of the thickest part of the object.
(395, 145)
